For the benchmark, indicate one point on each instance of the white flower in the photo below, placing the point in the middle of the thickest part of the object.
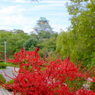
(89, 79)
(86, 86)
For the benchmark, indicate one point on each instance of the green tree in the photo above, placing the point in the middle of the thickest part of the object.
(15, 41)
(44, 35)
(30, 43)
(47, 44)
(79, 41)
(18, 31)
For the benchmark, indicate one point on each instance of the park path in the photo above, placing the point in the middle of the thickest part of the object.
(9, 71)
(5, 92)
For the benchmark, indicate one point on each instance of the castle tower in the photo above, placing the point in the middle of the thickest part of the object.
(42, 25)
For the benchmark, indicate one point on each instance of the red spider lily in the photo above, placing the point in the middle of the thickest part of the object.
(19, 57)
(84, 92)
(32, 80)
(63, 69)
(36, 50)
(24, 56)
(64, 90)
(93, 79)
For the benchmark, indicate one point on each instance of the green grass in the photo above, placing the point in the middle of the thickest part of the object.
(2, 79)
(10, 83)
(3, 65)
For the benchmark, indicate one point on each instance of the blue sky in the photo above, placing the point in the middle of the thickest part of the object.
(23, 14)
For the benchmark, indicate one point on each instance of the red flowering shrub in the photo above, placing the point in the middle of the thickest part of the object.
(84, 92)
(33, 80)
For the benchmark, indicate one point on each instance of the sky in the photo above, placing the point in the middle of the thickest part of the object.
(23, 14)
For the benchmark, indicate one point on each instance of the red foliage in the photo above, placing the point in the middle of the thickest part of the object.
(84, 92)
(51, 81)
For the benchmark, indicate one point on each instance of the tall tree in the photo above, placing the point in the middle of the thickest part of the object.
(80, 43)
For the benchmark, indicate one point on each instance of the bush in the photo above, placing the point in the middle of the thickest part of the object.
(2, 65)
(2, 79)
(10, 82)
(93, 86)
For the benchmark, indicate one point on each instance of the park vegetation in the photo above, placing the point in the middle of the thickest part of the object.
(79, 41)
(62, 64)
(16, 39)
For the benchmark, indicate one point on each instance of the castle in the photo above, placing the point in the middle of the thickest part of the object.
(42, 25)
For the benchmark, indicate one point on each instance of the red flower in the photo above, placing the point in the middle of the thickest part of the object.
(84, 92)
(32, 80)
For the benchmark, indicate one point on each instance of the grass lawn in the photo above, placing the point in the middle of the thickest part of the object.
(7, 64)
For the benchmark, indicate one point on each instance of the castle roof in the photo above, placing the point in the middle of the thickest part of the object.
(42, 19)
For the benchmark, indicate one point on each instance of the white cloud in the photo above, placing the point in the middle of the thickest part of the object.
(59, 14)
(28, 28)
(47, 7)
(11, 10)
(40, 1)
(11, 19)
(5, 28)
(21, 1)
(57, 1)
(17, 1)
(25, 1)
(59, 27)
(17, 22)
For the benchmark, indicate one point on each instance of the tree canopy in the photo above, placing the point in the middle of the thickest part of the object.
(79, 41)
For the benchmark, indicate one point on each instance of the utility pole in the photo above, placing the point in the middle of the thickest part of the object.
(5, 51)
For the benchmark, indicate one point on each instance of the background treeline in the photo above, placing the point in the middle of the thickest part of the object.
(16, 39)
(78, 41)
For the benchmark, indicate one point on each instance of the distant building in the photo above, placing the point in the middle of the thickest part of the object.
(43, 25)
